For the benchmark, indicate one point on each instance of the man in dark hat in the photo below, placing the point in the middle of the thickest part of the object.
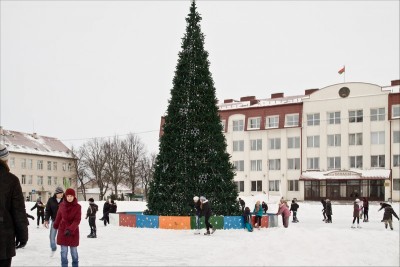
(51, 213)
(13, 221)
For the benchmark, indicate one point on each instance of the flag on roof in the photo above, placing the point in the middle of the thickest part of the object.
(341, 70)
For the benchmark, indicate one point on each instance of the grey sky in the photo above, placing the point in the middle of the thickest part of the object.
(81, 69)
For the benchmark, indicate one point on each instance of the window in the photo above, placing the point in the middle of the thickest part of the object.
(334, 140)
(69, 167)
(239, 165)
(238, 126)
(40, 164)
(293, 185)
(377, 114)
(272, 122)
(355, 116)
(313, 141)
(396, 160)
(274, 164)
(356, 162)
(23, 163)
(55, 181)
(378, 138)
(254, 123)
(64, 166)
(313, 163)
(30, 164)
(334, 117)
(395, 111)
(54, 166)
(12, 162)
(240, 186)
(334, 163)
(23, 179)
(274, 185)
(313, 119)
(223, 122)
(293, 142)
(274, 143)
(256, 186)
(396, 137)
(30, 179)
(238, 145)
(378, 161)
(256, 165)
(48, 180)
(294, 164)
(49, 165)
(292, 120)
(355, 139)
(396, 184)
(256, 144)
(40, 180)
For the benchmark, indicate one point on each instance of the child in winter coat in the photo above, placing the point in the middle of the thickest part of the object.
(91, 214)
(40, 211)
(247, 219)
(284, 210)
(258, 211)
(265, 207)
(294, 207)
(387, 216)
(67, 222)
(356, 213)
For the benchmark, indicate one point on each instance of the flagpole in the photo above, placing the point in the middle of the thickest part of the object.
(344, 76)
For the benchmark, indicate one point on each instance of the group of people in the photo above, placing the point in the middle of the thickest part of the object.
(203, 208)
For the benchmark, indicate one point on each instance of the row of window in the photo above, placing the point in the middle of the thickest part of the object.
(51, 165)
(354, 116)
(355, 162)
(334, 140)
(29, 179)
(256, 186)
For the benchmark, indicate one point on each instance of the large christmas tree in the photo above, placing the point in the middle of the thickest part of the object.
(192, 157)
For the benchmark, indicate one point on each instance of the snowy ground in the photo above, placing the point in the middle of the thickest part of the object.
(308, 243)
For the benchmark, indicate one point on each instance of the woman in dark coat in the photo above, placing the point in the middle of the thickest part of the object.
(40, 211)
(356, 213)
(67, 222)
(387, 216)
(13, 221)
(206, 212)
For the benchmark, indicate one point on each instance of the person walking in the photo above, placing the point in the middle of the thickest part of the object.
(387, 216)
(247, 219)
(356, 213)
(258, 212)
(106, 212)
(366, 208)
(242, 204)
(91, 214)
(40, 210)
(323, 202)
(13, 220)
(67, 222)
(50, 214)
(197, 204)
(206, 212)
(328, 211)
(294, 207)
(285, 212)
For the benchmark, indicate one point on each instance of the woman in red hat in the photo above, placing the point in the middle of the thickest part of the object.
(67, 223)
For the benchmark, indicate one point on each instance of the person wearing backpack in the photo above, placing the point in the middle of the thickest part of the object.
(91, 214)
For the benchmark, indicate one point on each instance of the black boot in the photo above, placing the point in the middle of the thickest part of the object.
(91, 234)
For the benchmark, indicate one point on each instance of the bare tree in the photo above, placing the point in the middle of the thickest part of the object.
(80, 169)
(94, 159)
(114, 162)
(133, 150)
(146, 172)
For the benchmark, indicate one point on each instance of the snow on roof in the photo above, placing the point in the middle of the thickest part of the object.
(348, 174)
(19, 142)
(262, 102)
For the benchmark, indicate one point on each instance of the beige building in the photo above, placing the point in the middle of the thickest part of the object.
(338, 142)
(41, 163)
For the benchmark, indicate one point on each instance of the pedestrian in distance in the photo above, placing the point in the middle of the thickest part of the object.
(106, 212)
(366, 208)
(13, 220)
(206, 212)
(242, 204)
(50, 214)
(328, 211)
(285, 212)
(387, 216)
(323, 202)
(91, 214)
(294, 207)
(197, 206)
(356, 213)
(67, 222)
(247, 219)
(113, 206)
(40, 210)
(265, 207)
(258, 212)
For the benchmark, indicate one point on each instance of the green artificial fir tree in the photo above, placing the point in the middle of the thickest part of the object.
(192, 157)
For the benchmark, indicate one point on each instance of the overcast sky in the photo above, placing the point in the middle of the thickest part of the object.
(81, 69)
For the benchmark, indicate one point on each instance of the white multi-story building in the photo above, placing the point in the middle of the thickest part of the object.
(338, 142)
(41, 163)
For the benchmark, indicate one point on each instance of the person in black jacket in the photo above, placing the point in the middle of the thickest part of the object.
(197, 206)
(242, 204)
(323, 202)
(328, 211)
(91, 214)
(264, 207)
(387, 216)
(40, 211)
(51, 213)
(113, 207)
(294, 207)
(13, 220)
(206, 212)
(106, 211)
